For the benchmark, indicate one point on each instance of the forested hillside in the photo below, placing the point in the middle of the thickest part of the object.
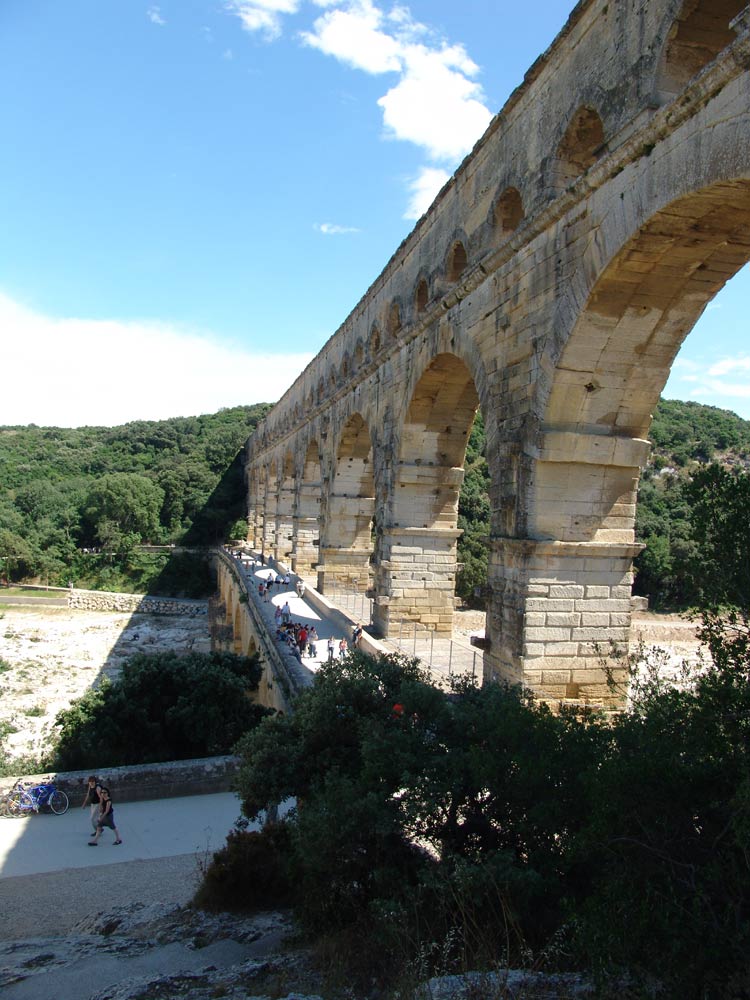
(75, 504)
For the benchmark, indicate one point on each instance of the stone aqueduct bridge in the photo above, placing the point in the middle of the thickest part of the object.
(550, 285)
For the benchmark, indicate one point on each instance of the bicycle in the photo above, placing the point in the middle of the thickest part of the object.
(22, 799)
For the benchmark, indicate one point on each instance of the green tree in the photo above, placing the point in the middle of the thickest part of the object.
(123, 506)
(162, 707)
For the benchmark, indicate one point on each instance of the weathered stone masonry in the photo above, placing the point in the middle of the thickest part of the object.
(551, 284)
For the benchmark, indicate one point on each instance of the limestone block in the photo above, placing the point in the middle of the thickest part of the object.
(540, 604)
(565, 590)
(563, 618)
(598, 619)
(550, 634)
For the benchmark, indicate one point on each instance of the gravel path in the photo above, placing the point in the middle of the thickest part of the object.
(52, 904)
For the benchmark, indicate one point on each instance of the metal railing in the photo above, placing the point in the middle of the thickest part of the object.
(443, 656)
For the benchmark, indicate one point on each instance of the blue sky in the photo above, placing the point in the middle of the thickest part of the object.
(195, 194)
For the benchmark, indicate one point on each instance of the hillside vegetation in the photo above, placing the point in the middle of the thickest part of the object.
(75, 504)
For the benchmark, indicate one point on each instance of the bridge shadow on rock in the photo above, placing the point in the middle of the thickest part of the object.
(187, 572)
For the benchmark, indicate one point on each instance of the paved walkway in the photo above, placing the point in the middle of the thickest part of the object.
(301, 611)
(156, 829)
(46, 877)
(443, 657)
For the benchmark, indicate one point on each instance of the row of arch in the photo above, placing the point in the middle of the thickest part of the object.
(699, 32)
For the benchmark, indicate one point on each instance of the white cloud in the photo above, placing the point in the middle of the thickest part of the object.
(264, 16)
(331, 229)
(154, 15)
(71, 372)
(424, 187)
(354, 37)
(728, 365)
(435, 103)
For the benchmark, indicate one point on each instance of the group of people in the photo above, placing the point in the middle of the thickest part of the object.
(300, 637)
(102, 811)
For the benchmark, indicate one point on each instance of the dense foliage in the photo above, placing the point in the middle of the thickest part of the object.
(446, 832)
(161, 707)
(75, 504)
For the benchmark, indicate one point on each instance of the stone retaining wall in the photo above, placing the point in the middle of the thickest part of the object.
(170, 779)
(99, 600)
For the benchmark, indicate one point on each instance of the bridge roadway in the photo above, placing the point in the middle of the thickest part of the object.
(443, 657)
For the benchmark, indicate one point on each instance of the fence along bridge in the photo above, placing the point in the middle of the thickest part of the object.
(550, 285)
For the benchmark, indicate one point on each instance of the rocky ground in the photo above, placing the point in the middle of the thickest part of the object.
(50, 656)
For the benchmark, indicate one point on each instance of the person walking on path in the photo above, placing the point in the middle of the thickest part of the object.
(300, 588)
(286, 613)
(93, 799)
(106, 818)
(312, 638)
(343, 647)
(331, 649)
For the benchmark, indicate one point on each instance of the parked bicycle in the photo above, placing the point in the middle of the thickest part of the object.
(27, 799)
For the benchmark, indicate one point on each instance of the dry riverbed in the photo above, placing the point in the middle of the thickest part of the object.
(51, 656)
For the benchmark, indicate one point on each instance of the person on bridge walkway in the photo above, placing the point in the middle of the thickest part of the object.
(106, 818)
(286, 613)
(93, 799)
(331, 649)
(300, 588)
(312, 638)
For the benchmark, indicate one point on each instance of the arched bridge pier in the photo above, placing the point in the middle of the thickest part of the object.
(550, 286)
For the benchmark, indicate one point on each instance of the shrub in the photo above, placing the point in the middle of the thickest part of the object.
(162, 707)
(251, 872)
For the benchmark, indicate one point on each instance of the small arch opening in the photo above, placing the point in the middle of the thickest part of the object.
(394, 319)
(374, 341)
(509, 210)
(699, 33)
(581, 146)
(457, 261)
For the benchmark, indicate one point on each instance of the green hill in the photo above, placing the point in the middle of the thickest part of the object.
(75, 504)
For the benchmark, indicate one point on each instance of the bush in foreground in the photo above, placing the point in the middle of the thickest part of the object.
(478, 828)
(161, 707)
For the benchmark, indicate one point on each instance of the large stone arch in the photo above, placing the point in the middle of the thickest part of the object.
(270, 502)
(560, 322)
(346, 532)
(417, 567)
(562, 592)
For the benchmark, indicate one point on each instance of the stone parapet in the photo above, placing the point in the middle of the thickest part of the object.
(101, 600)
(170, 779)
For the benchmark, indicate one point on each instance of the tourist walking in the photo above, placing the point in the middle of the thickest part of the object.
(106, 818)
(312, 638)
(93, 799)
(331, 649)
